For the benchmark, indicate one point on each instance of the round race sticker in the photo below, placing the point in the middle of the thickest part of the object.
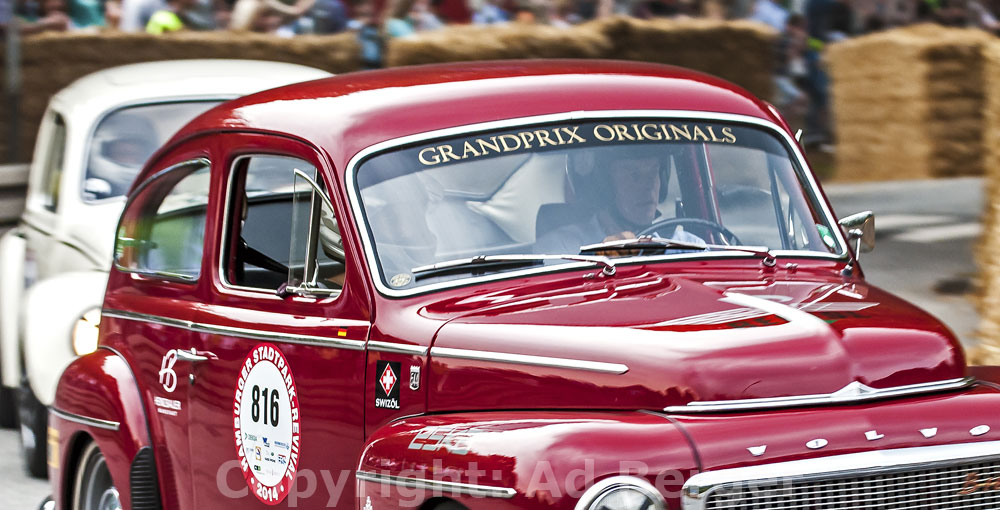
(266, 423)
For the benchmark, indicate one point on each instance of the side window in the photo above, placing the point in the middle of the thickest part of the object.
(162, 230)
(52, 171)
(283, 235)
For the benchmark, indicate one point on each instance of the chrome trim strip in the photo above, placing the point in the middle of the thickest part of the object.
(793, 147)
(697, 489)
(415, 350)
(849, 394)
(253, 334)
(85, 420)
(525, 359)
(437, 485)
(141, 317)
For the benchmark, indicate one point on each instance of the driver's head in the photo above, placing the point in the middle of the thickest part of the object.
(121, 145)
(635, 183)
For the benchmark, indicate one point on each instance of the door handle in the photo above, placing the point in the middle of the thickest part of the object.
(195, 356)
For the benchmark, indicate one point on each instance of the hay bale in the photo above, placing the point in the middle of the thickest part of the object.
(459, 43)
(924, 85)
(739, 51)
(51, 61)
(987, 253)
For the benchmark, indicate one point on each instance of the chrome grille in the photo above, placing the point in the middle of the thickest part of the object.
(972, 485)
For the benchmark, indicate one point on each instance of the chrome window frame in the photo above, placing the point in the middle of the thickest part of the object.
(224, 234)
(128, 203)
(699, 487)
(801, 170)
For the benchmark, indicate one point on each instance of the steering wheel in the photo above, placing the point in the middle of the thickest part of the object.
(727, 235)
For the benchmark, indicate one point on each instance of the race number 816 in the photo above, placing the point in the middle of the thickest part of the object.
(258, 394)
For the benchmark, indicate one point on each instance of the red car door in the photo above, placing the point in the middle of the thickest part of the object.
(276, 397)
(153, 296)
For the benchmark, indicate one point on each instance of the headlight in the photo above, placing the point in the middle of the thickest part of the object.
(85, 332)
(621, 493)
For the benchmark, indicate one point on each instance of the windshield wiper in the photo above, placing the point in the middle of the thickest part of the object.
(660, 243)
(500, 261)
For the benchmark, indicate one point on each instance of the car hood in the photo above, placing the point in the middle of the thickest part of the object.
(644, 340)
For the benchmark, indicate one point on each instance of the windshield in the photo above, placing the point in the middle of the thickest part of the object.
(552, 189)
(125, 139)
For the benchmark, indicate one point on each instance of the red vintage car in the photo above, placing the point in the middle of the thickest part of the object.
(555, 284)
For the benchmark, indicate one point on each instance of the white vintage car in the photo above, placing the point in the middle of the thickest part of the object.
(95, 136)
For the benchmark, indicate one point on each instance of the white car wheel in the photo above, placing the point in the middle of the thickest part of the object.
(8, 409)
(34, 421)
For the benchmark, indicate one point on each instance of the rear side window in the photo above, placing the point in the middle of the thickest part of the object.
(52, 171)
(162, 230)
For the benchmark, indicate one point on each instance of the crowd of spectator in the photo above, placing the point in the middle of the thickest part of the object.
(805, 26)
(400, 18)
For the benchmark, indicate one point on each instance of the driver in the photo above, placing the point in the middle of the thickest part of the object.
(637, 181)
(120, 146)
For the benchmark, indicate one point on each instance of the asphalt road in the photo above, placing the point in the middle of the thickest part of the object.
(926, 231)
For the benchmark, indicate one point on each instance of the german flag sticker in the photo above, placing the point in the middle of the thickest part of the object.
(341, 332)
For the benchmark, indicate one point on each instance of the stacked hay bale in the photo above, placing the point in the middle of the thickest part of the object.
(738, 51)
(53, 61)
(908, 103)
(495, 42)
(988, 249)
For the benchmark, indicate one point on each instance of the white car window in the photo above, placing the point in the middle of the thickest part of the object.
(52, 172)
(125, 139)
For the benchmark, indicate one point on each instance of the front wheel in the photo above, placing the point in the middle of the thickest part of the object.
(93, 488)
(34, 419)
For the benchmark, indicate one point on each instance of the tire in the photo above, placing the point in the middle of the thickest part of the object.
(93, 488)
(8, 407)
(34, 419)
(450, 505)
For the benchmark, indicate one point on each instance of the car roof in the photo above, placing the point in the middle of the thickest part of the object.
(350, 112)
(181, 79)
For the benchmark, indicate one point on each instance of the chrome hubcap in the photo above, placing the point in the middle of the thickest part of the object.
(109, 500)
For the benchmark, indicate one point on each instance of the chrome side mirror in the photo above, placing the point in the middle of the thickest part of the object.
(860, 229)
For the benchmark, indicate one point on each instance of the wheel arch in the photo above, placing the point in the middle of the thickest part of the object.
(97, 400)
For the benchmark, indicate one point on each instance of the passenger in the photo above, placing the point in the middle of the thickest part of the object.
(637, 183)
(398, 218)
